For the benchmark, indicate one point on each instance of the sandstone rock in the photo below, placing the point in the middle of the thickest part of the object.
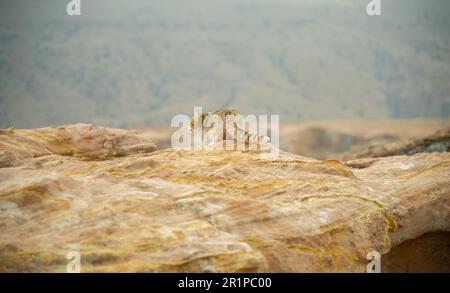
(436, 142)
(206, 210)
(430, 253)
(79, 140)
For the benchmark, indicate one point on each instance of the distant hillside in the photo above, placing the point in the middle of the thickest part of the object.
(135, 63)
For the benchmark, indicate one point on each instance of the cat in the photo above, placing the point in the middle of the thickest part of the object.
(230, 131)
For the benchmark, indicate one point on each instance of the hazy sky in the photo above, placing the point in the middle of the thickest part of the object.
(139, 62)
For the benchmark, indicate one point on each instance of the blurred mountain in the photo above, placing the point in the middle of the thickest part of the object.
(135, 63)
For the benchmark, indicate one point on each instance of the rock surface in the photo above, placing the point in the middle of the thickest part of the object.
(125, 207)
(351, 139)
(436, 142)
(429, 253)
(79, 140)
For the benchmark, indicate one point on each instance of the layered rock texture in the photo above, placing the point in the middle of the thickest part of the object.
(437, 142)
(127, 207)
